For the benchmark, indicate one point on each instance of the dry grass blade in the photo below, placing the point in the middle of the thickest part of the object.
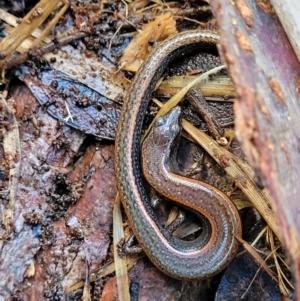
(219, 85)
(29, 23)
(282, 279)
(105, 270)
(252, 252)
(12, 150)
(241, 203)
(50, 25)
(11, 22)
(259, 236)
(243, 296)
(173, 101)
(86, 294)
(120, 263)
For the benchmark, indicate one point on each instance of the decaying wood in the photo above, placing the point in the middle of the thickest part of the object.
(266, 74)
(288, 14)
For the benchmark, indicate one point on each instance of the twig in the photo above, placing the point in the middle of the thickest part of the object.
(15, 61)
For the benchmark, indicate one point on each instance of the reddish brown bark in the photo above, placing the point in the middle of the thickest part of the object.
(265, 71)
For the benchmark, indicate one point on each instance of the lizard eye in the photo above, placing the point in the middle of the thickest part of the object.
(160, 121)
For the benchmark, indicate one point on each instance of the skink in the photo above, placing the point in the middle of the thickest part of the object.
(178, 259)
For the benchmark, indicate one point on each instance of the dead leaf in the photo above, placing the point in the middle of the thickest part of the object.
(140, 46)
